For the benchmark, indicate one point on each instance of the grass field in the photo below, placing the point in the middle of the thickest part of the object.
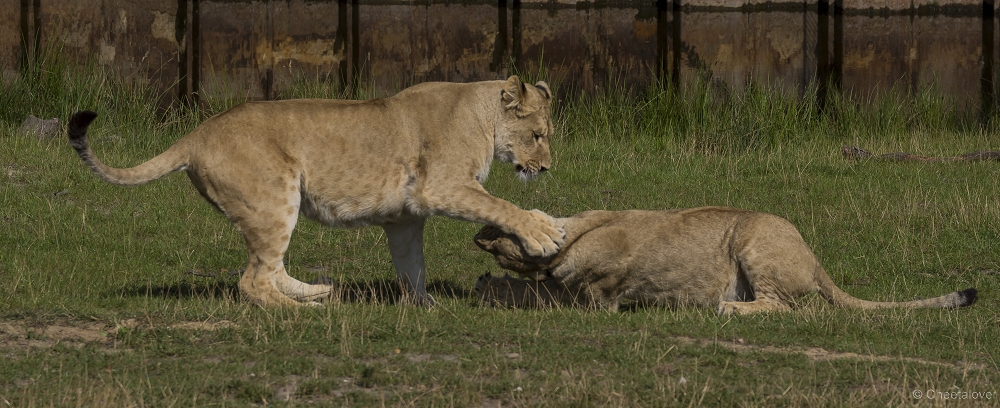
(117, 296)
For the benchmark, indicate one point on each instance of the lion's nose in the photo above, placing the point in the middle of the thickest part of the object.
(519, 167)
(543, 169)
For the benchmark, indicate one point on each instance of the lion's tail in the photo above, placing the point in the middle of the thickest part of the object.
(174, 159)
(839, 298)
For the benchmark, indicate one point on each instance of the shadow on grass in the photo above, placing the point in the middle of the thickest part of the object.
(386, 291)
(391, 292)
(208, 288)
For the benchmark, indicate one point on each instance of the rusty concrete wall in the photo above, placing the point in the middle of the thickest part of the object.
(858, 5)
(897, 51)
(138, 40)
(739, 48)
(259, 48)
(589, 47)
(408, 44)
(10, 37)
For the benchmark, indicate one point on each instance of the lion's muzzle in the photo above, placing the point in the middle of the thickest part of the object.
(530, 170)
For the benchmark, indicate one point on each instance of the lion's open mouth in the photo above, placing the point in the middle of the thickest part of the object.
(528, 173)
(523, 173)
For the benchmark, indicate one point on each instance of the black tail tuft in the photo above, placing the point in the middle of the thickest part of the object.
(968, 297)
(77, 130)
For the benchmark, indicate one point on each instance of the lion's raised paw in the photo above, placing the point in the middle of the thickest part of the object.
(545, 235)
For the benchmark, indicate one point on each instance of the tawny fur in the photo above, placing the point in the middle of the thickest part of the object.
(736, 261)
(390, 162)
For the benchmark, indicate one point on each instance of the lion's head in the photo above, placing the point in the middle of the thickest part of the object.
(510, 254)
(523, 132)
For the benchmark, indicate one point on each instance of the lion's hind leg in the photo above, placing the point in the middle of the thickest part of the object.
(267, 223)
(508, 291)
(289, 286)
(266, 281)
(262, 281)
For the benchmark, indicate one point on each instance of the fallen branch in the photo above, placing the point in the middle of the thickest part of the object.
(196, 273)
(857, 153)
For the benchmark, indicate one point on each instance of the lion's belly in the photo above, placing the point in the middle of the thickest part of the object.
(355, 203)
(671, 268)
(688, 288)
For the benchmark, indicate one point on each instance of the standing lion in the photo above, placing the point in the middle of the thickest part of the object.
(390, 162)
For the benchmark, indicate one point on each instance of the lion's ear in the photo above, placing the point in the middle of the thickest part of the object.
(513, 92)
(544, 87)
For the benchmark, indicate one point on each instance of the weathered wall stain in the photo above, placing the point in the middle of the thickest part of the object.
(163, 25)
(259, 48)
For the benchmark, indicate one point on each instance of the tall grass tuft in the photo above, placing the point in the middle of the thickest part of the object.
(326, 87)
(895, 112)
(53, 87)
(707, 117)
(701, 117)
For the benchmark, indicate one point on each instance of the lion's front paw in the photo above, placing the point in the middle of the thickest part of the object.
(542, 236)
(493, 290)
(726, 308)
(482, 283)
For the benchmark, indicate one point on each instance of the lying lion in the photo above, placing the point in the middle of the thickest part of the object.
(735, 260)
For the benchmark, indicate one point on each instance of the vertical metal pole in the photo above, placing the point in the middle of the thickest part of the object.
(838, 44)
(676, 73)
(822, 53)
(340, 44)
(355, 44)
(36, 8)
(195, 53)
(516, 22)
(500, 41)
(662, 40)
(988, 88)
(180, 35)
(22, 63)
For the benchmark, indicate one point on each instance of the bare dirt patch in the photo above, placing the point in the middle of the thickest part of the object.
(25, 335)
(816, 354)
(22, 335)
(206, 326)
(424, 357)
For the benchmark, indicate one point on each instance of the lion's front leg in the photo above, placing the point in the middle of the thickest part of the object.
(538, 232)
(406, 244)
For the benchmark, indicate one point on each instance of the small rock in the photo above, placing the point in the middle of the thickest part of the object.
(513, 355)
(40, 128)
(682, 381)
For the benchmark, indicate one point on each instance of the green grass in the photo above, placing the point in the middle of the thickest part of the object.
(97, 308)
